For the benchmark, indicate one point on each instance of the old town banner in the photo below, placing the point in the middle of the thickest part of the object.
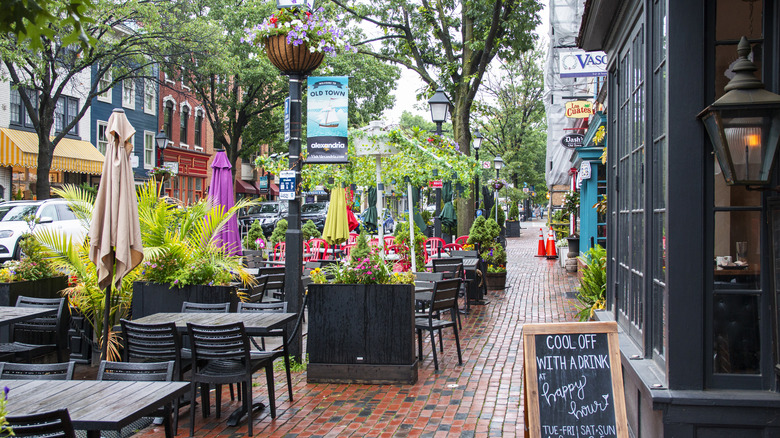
(326, 125)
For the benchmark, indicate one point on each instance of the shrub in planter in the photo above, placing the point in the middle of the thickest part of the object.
(593, 283)
(251, 239)
(514, 212)
(280, 232)
(501, 217)
(483, 232)
(310, 231)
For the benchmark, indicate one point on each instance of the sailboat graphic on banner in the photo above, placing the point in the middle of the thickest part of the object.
(330, 119)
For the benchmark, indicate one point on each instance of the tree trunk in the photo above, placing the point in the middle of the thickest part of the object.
(45, 154)
(462, 133)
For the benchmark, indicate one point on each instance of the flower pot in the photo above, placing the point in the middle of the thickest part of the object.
(574, 252)
(361, 334)
(150, 298)
(495, 280)
(291, 59)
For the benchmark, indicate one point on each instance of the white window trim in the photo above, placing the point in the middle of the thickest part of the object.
(131, 104)
(97, 135)
(107, 96)
(153, 109)
(187, 104)
(151, 134)
(167, 99)
(166, 78)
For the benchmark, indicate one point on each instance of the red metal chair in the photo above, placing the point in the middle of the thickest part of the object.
(453, 246)
(318, 248)
(462, 240)
(433, 245)
(346, 250)
(308, 256)
(279, 251)
(389, 240)
(352, 238)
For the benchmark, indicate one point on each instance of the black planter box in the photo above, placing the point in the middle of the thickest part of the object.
(361, 334)
(43, 288)
(150, 298)
(512, 228)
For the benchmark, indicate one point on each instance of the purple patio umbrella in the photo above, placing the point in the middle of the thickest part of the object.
(221, 193)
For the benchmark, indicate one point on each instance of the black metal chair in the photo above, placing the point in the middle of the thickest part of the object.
(452, 267)
(189, 306)
(275, 285)
(256, 293)
(221, 354)
(144, 372)
(46, 371)
(42, 335)
(445, 297)
(54, 424)
(280, 307)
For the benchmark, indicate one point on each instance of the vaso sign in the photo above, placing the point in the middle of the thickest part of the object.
(580, 64)
(579, 109)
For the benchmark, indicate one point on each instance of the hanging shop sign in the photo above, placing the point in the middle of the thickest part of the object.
(435, 184)
(579, 109)
(582, 64)
(584, 172)
(572, 141)
(327, 112)
(262, 182)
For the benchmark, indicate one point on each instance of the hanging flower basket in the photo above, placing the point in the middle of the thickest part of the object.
(291, 59)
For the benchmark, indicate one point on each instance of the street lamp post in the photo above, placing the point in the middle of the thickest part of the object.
(477, 144)
(161, 140)
(440, 107)
(498, 163)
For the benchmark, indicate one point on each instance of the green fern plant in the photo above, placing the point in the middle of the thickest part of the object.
(593, 284)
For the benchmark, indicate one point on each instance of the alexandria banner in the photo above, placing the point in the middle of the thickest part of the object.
(326, 124)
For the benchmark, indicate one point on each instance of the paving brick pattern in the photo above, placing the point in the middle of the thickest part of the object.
(481, 398)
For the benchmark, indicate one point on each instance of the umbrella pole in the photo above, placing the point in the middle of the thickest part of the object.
(411, 230)
(106, 316)
(380, 211)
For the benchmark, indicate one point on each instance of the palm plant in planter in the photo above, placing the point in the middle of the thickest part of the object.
(361, 323)
(179, 252)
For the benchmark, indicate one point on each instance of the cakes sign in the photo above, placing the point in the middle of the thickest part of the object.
(579, 109)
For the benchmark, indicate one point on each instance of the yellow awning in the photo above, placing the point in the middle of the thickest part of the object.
(20, 148)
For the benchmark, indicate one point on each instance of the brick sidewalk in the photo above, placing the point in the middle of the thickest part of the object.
(481, 398)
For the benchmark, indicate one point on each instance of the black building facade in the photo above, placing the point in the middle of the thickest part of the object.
(699, 332)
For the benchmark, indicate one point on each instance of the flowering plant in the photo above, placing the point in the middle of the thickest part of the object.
(495, 257)
(5, 429)
(301, 26)
(159, 172)
(32, 266)
(571, 202)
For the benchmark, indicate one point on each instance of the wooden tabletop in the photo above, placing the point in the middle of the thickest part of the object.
(93, 405)
(255, 323)
(10, 315)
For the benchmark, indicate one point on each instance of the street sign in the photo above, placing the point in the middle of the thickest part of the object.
(526, 189)
(486, 164)
(287, 185)
(173, 166)
(286, 119)
(436, 184)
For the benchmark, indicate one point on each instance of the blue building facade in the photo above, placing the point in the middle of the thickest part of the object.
(139, 98)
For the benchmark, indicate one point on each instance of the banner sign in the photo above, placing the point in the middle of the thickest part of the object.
(287, 119)
(582, 64)
(262, 182)
(326, 126)
(572, 141)
(579, 109)
(436, 184)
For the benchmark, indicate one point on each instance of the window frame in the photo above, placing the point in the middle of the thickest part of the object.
(150, 97)
(70, 108)
(24, 118)
(168, 109)
(184, 115)
(108, 95)
(198, 128)
(98, 142)
(128, 98)
(149, 141)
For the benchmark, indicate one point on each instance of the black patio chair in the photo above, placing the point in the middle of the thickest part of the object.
(275, 285)
(189, 307)
(445, 297)
(54, 424)
(144, 372)
(221, 355)
(39, 336)
(256, 293)
(280, 307)
(453, 268)
(45, 371)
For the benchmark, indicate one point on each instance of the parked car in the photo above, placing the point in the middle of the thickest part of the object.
(316, 212)
(53, 214)
(268, 213)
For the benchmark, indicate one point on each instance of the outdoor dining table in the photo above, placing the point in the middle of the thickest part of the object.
(255, 324)
(93, 405)
(11, 315)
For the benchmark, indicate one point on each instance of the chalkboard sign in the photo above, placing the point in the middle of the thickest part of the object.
(573, 382)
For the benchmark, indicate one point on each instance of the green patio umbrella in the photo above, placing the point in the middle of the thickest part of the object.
(447, 216)
(370, 217)
(418, 219)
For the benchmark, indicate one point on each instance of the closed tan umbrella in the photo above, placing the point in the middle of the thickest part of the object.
(115, 233)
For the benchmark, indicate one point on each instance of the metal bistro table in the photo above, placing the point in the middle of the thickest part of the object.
(255, 324)
(10, 315)
(93, 405)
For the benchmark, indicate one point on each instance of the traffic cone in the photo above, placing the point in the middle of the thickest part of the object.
(551, 254)
(542, 252)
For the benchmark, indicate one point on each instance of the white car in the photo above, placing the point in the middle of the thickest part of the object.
(52, 214)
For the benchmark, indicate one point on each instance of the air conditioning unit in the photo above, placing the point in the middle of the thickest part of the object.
(247, 172)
